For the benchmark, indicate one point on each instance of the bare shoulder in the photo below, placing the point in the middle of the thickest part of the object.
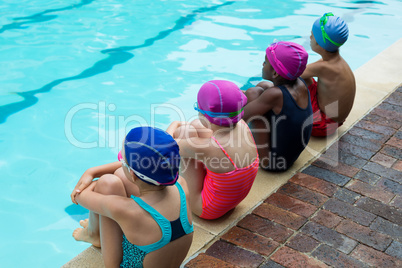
(271, 93)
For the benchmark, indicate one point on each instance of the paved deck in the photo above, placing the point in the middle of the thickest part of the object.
(343, 210)
(351, 155)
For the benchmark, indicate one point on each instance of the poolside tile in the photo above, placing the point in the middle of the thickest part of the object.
(335, 258)
(349, 211)
(367, 134)
(338, 167)
(271, 264)
(329, 237)
(204, 260)
(372, 145)
(364, 235)
(384, 160)
(386, 131)
(395, 250)
(368, 177)
(304, 194)
(390, 186)
(281, 216)
(346, 195)
(387, 113)
(397, 202)
(375, 207)
(265, 227)
(374, 257)
(356, 150)
(395, 142)
(326, 218)
(251, 241)
(383, 121)
(370, 191)
(327, 175)
(302, 243)
(387, 105)
(398, 165)
(395, 98)
(386, 227)
(392, 151)
(378, 169)
(314, 184)
(291, 258)
(234, 255)
(291, 204)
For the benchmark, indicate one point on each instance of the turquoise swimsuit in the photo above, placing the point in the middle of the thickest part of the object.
(133, 256)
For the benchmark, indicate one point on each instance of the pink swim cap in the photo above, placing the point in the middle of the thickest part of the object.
(287, 58)
(221, 102)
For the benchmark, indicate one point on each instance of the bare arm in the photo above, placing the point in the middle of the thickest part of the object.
(105, 205)
(265, 102)
(312, 70)
(92, 173)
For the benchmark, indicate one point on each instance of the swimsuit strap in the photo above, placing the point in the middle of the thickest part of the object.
(163, 223)
(224, 151)
(187, 226)
(304, 82)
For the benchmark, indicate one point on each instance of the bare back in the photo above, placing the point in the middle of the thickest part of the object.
(238, 143)
(141, 229)
(336, 87)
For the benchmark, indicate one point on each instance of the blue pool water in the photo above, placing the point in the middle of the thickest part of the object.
(76, 75)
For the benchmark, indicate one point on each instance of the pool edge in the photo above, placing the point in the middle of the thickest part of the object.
(370, 93)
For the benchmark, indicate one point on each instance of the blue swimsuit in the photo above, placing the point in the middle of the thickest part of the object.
(133, 256)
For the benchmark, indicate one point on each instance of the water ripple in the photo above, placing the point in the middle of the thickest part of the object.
(116, 56)
(40, 17)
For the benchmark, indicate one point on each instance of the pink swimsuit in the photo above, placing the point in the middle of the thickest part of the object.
(224, 191)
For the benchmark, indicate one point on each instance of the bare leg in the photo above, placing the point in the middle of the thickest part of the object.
(192, 171)
(130, 187)
(90, 231)
(111, 235)
(102, 231)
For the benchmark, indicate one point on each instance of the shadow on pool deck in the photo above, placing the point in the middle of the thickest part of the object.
(340, 204)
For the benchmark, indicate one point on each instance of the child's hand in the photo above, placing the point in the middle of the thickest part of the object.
(83, 183)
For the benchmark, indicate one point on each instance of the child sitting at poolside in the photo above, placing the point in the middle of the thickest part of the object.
(152, 229)
(333, 94)
(280, 114)
(219, 156)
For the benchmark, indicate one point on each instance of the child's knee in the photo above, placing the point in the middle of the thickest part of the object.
(253, 93)
(109, 184)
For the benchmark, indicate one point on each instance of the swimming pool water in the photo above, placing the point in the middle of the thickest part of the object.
(76, 75)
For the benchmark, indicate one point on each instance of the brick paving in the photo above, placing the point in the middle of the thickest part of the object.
(344, 210)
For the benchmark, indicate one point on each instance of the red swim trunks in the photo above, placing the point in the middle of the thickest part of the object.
(322, 125)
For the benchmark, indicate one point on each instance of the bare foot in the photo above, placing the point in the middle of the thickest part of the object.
(84, 223)
(82, 234)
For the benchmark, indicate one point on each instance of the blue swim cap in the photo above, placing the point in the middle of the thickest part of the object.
(330, 32)
(153, 155)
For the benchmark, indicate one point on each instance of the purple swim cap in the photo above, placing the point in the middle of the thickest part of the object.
(287, 58)
(221, 102)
